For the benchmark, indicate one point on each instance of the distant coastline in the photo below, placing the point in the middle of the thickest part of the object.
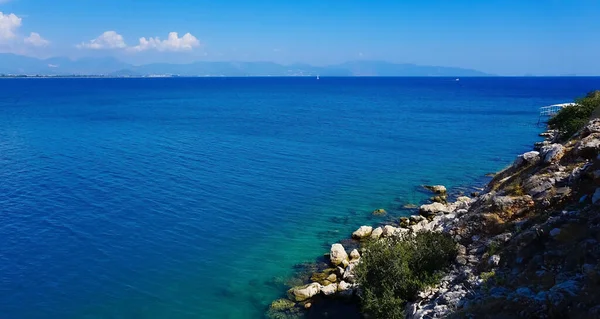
(15, 65)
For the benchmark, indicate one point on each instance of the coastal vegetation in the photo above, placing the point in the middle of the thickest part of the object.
(394, 270)
(572, 118)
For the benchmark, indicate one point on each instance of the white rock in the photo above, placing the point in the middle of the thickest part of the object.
(349, 273)
(337, 254)
(362, 232)
(354, 254)
(529, 158)
(389, 231)
(494, 260)
(329, 289)
(552, 153)
(432, 209)
(345, 289)
(438, 189)
(589, 145)
(377, 232)
(304, 292)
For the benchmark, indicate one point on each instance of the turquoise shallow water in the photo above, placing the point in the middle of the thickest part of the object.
(194, 198)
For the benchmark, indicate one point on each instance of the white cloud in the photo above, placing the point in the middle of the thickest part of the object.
(172, 43)
(4, 1)
(9, 23)
(107, 40)
(36, 40)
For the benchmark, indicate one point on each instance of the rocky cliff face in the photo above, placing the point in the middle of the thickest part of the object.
(528, 246)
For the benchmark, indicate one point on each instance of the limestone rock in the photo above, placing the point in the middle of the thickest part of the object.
(329, 289)
(345, 289)
(354, 254)
(389, 231)
(332, 278)
(537, 185)
(494, 260)
(362, 232)
(415, 219)
(377, 232)
(337, 254)
(552, 153)
(592, 127)
(433, 209)
(437, 189)
(304, 292)
(589, 146)
(527, 158)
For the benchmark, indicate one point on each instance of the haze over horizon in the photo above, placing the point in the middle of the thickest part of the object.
(497, 37)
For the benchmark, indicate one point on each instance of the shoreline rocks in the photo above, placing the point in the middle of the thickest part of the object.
(338, 255)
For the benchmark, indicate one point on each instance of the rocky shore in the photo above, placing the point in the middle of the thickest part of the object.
(527, 245)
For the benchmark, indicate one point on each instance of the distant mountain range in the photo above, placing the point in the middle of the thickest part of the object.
(11, 64)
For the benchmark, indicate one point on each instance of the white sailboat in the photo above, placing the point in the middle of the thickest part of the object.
(317, 77)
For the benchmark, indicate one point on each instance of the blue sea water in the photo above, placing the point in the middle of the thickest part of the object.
(195, 197)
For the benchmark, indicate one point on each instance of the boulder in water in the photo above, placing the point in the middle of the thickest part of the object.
(362, 232)
(338, 254)
(304, 292)
(437, 189)
(379, 212)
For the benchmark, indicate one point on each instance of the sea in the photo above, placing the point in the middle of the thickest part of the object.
(199, 197)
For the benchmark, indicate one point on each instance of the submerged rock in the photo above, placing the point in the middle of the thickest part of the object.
(379, 212)
(282, 304)
(362, 232)
(337, 254)
(304, 292)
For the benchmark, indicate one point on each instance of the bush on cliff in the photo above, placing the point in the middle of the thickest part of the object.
(394, 270)
(572, 118)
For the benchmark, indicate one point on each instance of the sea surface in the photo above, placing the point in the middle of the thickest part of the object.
(195, 197)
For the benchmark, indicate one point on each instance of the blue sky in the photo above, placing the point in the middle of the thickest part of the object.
(510, 37)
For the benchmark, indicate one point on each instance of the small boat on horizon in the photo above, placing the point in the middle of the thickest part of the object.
(317, 77)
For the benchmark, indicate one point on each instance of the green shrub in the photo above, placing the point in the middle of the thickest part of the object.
(572, 118)
(394, 270)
